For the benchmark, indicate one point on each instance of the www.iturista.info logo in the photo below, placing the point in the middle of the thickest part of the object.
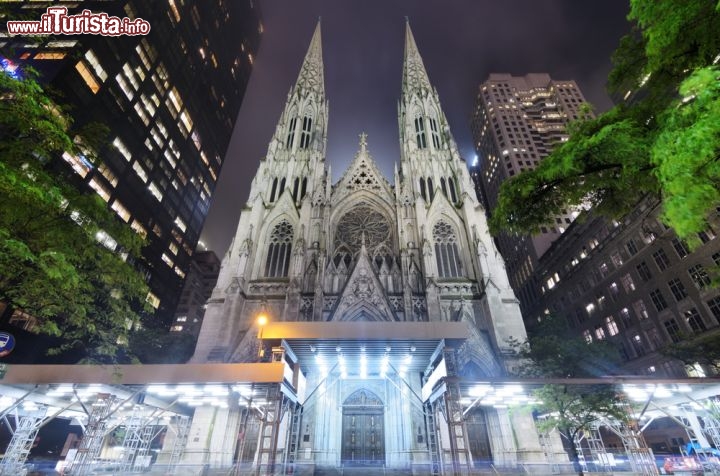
(56, 21)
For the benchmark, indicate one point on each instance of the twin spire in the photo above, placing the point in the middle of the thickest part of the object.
(311, 72)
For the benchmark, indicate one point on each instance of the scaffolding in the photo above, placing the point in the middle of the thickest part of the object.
(139, 433)
(547, 447)
(26, 431)
(592, 455)
(87, 454)
(180, 425)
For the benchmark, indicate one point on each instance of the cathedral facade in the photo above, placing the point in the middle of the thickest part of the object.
(385, 302)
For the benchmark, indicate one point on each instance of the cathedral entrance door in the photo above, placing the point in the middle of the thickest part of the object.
(363, 432)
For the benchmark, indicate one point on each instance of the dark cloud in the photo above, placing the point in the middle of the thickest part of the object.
(461, 41)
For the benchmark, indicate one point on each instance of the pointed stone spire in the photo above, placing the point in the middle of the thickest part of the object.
(414, 74)
(311, 73)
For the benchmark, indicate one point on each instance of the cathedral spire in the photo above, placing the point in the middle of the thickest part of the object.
(311, 72)
(414, 74)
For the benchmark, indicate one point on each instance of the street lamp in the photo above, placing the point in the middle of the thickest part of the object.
(261, 320)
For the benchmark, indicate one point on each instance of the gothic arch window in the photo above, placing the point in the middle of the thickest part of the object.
(303, 189)
(278, 256)
(434, 132)
(431, 189)
(443, 187)
(296, 187)
(453, 192)
(306, 133)
(282, 187)
(291, 130)
(273, 190)
(422, 188)
(447, 254)
(420, 132)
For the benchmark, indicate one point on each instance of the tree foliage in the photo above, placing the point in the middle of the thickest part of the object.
(52, 263)
(703, 349)
(664, 143)
(551, 351)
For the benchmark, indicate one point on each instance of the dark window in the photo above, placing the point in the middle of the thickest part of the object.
(303, 190)
(661, 259)
(680, 247)
(420, 133)
(306, 134)
(644, 271)
(673, 330)
(282, 187)
(631, 247)
(678, 289)
(431, 190)
(443, 187)
(434, 133)
(447, 255)
(658, 300)
(714, 305)
(291, 133)
(278, 256)
(699, 276)
(296, 186)
(694, 320)
(422, 188)
(273, 190)
(453, 194)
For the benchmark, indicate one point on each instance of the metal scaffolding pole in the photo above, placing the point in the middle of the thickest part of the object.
(139, 433)
(180, 425)
(16, 454)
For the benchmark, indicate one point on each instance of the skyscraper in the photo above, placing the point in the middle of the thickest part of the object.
(517, 122)
(170, 99)
(370, 292)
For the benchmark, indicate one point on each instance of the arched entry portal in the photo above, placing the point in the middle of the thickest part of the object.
(363, 432)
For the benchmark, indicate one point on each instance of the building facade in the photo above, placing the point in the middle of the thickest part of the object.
(170, 99)
(517, 122)
(635, 284)
(198, 287)
(382, 298)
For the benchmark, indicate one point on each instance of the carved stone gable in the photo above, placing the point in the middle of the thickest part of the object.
(363, 297)
(363, 398)
(363, 174)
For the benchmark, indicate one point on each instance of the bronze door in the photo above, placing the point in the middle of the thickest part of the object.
(363, 437)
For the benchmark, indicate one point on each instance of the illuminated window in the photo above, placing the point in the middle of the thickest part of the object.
(87, 77)
(140, 171)
(612, 326)
(176, 328)
(186, 121)
(155, 191)
(167, 260)
(80, 167)
(181, 319)
(107, 173)
(122, 212)
(138, 228)
(180, 224)
(100, 189)
(173, 248)
(50, 55)
(130, 75)
(120, 146)
(95, 63)
(180, 272)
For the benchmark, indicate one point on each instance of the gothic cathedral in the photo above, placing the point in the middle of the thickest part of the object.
(384, 302)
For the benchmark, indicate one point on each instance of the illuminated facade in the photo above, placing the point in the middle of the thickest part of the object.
(517, 122)
(381, 300)
(170, 100)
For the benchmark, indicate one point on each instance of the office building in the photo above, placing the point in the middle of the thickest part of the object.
(517, 122)
(170, 99)
(199, 284)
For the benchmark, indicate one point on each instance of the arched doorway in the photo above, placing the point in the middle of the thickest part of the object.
(363, 430)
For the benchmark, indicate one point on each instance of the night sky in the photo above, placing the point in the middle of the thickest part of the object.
(461, 42)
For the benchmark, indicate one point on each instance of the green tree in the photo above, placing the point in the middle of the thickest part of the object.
(62, 251)
(663, 144)
(703, 349)
(551, 351)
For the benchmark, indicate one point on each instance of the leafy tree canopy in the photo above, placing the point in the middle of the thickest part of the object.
(52, 263)
(703, 349)
(664, 143)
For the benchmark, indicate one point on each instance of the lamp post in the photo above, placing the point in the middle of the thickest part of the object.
(262, 320)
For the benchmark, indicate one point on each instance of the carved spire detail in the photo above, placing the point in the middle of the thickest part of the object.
(414, 75)
(311, 73)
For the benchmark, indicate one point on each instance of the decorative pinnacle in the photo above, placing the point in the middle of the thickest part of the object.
(363, 141)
